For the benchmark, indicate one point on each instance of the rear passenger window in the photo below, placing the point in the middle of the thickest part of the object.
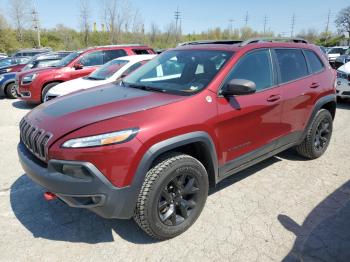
(314, 61)
(255, 66)
(292, 64)
(112, 54)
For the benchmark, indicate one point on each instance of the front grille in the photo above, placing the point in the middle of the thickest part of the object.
(346, 93)
(35, 139)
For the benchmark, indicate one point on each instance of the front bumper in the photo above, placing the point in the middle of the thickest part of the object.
(343, 88)
(91, 190)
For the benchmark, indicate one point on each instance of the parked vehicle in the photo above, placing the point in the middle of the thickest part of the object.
(343, 81)
(335, 52)
(108, 73)
(149, 146)
(31, 52)
(342, 59)
(34, 84)
(13, 64)
(2, 55)
(7, 82)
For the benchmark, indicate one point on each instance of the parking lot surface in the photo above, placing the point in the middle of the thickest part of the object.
(284, 208)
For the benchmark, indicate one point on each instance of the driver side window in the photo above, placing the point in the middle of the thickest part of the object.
(256, 67)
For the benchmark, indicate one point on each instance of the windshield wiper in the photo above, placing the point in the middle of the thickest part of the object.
(146, 88)
(95, 78)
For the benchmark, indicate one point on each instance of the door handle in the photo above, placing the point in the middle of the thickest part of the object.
(314, 85)
(273, 98)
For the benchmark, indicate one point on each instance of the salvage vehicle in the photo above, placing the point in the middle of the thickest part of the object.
(108, 73)
(150, 145)
(34, 84)
(7, 81)
(343, 81)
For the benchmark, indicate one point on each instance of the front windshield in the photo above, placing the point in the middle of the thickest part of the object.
(337, 51)
(5, 62)
(107, 70)
(179, 71)
(66, 60)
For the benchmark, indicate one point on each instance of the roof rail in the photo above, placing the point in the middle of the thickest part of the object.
(106, 46)
(204, 42)
(273, 39)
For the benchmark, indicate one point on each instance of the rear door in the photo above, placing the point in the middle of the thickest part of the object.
(299, 88)
(250, 123)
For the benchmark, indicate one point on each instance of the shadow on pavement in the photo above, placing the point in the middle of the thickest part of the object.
(22, 105)
(325, 233)
(344, 104)
(56, 221)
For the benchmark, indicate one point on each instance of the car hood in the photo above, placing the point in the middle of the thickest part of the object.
(66, 114)
(39, 70)
(345, 68)
(75, 85)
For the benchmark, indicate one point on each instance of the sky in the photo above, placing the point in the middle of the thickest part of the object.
(199, 15)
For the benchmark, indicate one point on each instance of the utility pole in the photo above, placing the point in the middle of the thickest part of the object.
(246, 19)
(35, 20)
(177, 17)
(265, 23)
(231, 26)
(292, 26)
(327, 25)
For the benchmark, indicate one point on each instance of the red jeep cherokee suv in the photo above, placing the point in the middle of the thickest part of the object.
(34, 84)
(149, 146)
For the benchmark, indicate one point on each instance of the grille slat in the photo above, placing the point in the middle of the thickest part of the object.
(35, 139)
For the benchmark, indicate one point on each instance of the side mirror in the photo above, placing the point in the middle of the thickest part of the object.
(78, 66)
(238, 87)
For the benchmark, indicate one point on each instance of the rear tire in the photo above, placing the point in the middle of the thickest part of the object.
(46, 89)
(172, 196)
(318, 136)
(11, 91)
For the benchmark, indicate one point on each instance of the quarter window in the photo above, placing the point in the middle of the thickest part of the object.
(256, 67)
(314, 61)
(292, 64)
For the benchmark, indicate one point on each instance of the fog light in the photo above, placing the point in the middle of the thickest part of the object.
(75, 171)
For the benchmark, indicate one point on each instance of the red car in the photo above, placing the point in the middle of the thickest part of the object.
(149, 146)
(32, 85)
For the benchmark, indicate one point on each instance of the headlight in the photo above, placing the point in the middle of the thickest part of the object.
(28, 79)
(102, 140)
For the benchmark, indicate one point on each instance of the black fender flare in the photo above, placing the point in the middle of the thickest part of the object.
(155, 151)
(318, 105)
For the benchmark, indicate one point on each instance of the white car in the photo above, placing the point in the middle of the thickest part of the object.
(343, 81)
(108, 73)
(336, 51)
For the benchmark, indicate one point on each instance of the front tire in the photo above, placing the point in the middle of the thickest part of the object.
(172, 196)
(318, 136)
(11, 91)
(46, 89)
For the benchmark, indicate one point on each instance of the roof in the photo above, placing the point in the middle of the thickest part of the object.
(136, 58)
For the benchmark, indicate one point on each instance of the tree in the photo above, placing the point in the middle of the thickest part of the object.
(19, 16)
(343, 21)
(85, 20)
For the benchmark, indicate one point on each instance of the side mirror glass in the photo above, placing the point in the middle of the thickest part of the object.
(239, 87)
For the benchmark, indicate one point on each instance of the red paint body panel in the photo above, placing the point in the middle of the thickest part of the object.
(49, 75)
(236, 125)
